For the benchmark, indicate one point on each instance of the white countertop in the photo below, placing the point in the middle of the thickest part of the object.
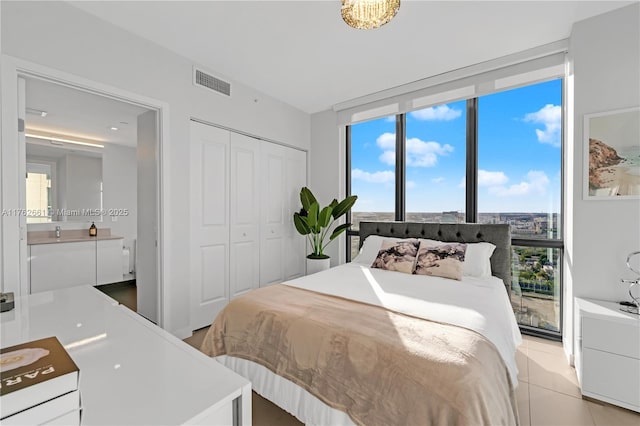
(131, 371)
(68, 236)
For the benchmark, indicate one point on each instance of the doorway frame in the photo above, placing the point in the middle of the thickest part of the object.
(14, 272)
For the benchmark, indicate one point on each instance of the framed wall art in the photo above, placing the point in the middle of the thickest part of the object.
(612, 155)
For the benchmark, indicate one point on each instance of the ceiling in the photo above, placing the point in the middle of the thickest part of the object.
(303, 54)
(75, 113)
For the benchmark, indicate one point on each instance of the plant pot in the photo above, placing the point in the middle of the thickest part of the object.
(317, 265)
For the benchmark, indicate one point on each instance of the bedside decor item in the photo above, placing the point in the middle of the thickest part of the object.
(368, 14)
(315, 223)
(6, 301)
(612, 155)
(632, 307)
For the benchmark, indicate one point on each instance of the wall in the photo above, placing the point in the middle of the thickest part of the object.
(119, 177)
(326, 164)
(83, 178)
(59, 36)
(605, 67)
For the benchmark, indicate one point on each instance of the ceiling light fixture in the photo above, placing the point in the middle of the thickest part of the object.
(59, 139)
(114, 128)
(368, 14)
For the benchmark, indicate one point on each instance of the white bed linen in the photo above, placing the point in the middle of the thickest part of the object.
(480, 304)
(286, 394)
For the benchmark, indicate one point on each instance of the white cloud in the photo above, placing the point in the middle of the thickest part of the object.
(386, 141)
(438, 113)
(419, 152)
(536, 183)
(437, 180)
(486, 178)
(375, 177)
(550, 116)
(411, 184)
(425, 154)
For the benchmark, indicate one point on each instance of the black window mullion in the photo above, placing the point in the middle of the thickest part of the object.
(347, 176)
(400, 167)
(471, 205)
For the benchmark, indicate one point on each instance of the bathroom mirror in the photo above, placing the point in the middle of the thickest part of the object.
(64, 182)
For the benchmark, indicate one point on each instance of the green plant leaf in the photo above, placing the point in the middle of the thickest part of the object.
(339, 230)
(334, 203)
(307, 198)
(301, 224)
(344, 206)
(325, 217)
(312, 217)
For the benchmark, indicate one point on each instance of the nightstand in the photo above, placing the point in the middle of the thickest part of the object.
(607, 357)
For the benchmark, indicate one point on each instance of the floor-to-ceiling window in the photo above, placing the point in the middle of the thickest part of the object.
(510, 143)
(373, 173)
(520, 183)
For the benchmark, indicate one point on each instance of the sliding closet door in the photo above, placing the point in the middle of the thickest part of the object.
(272, 222)
(244, 247)
(282, 250)
(209, 222)
(296, 178)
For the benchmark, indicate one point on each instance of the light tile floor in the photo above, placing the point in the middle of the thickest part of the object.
(548, 392)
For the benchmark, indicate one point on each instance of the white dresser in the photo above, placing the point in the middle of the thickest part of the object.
(131, 371)
(607, 357)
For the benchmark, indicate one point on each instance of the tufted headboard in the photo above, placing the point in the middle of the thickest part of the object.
(497, 234)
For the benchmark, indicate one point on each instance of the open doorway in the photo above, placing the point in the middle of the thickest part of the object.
(92, 160)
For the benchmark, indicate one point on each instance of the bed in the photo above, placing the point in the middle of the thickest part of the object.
(361, 345)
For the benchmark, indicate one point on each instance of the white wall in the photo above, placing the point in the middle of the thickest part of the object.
(326, 174)
(605, 63)
(83, 178)
(119, 178)
(59, 36)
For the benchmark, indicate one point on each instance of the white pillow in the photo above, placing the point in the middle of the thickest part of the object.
(477, 259)
(370, 248)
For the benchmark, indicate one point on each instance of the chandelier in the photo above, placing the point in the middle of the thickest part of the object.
(368, 14)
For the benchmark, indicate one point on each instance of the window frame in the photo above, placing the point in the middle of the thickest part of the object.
(471, 192)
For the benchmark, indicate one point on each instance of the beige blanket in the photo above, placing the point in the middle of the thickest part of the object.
(378, 366)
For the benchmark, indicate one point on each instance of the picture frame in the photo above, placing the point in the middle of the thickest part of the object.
(611, 169)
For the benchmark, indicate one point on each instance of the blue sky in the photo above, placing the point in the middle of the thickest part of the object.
(519, 155)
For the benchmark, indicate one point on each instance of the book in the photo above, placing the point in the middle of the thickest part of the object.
(64, 409)
(35, 372)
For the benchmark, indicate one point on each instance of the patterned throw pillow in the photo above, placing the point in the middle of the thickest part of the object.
(397, 255)
(446, 260)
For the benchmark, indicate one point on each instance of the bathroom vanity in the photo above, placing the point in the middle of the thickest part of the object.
(73, 259)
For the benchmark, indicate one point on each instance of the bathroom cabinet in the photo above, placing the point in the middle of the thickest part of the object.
(69, 262)
(59, 265)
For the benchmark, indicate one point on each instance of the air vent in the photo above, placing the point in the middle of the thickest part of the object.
(203, 79)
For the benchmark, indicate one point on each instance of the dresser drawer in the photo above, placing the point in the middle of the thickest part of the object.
(610, 336)
(611, 376)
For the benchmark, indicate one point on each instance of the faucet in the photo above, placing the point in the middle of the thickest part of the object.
(57, 231)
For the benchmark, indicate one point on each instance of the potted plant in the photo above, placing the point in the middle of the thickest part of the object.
(316, 223)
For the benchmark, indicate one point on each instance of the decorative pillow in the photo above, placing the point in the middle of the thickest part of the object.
(443, 260)
(477, 259)
(370, 248)
(397, 255)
